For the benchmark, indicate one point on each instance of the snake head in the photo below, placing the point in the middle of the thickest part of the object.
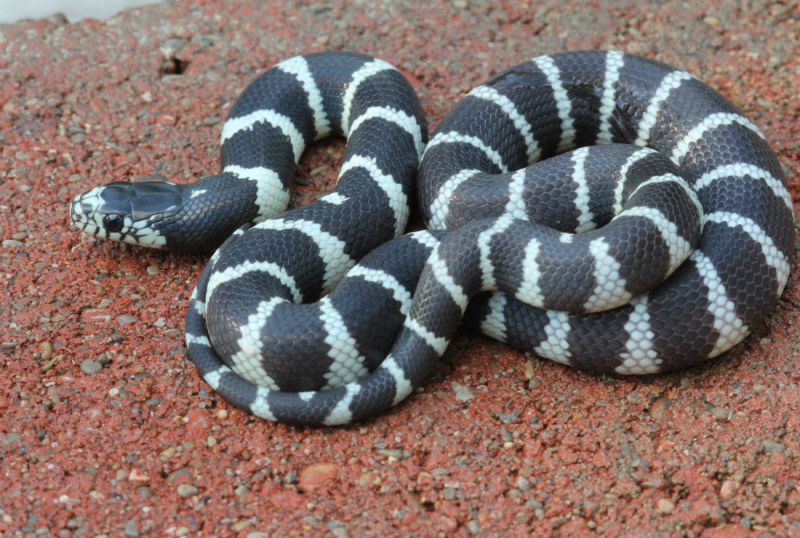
(130, 212)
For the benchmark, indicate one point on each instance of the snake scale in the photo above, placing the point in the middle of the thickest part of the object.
(600, 209)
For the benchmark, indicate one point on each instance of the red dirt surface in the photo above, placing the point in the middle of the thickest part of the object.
(106, 426)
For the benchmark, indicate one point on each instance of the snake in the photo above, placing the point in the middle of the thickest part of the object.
(597, 208)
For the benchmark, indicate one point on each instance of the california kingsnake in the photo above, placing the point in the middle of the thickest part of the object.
(712, 183)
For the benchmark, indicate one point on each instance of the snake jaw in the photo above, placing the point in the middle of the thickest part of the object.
(127, 212)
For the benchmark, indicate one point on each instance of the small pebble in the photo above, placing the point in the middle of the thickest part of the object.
(241, 525)
(131, 529)
(728, 489)
(772, 446)
(91, 366)
(340, 532)
(463, 393)
(185, 490)
(137, 476)
(125, 319)
(317, 475)
(665, 506)
(46, 350)
(720, 413)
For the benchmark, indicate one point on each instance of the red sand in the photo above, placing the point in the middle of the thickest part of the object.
(106, 426)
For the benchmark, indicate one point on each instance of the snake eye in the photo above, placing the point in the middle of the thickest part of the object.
(112, 222)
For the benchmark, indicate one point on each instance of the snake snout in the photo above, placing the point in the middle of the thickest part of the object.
(85, 210)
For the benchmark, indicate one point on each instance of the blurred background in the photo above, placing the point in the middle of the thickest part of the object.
(75, 10)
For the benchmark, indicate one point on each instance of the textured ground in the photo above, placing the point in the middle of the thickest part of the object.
(106, 427)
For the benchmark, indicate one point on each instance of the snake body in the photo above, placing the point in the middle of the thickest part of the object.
(652, 232)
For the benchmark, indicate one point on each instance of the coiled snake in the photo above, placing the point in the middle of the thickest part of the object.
(657, 243)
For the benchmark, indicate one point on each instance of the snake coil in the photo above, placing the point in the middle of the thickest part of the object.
(598, 208)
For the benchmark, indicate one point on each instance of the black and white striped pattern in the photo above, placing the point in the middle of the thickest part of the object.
(710, 302)
(654, 233)
(250, 288)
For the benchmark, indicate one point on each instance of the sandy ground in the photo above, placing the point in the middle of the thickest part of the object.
(106, 427)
